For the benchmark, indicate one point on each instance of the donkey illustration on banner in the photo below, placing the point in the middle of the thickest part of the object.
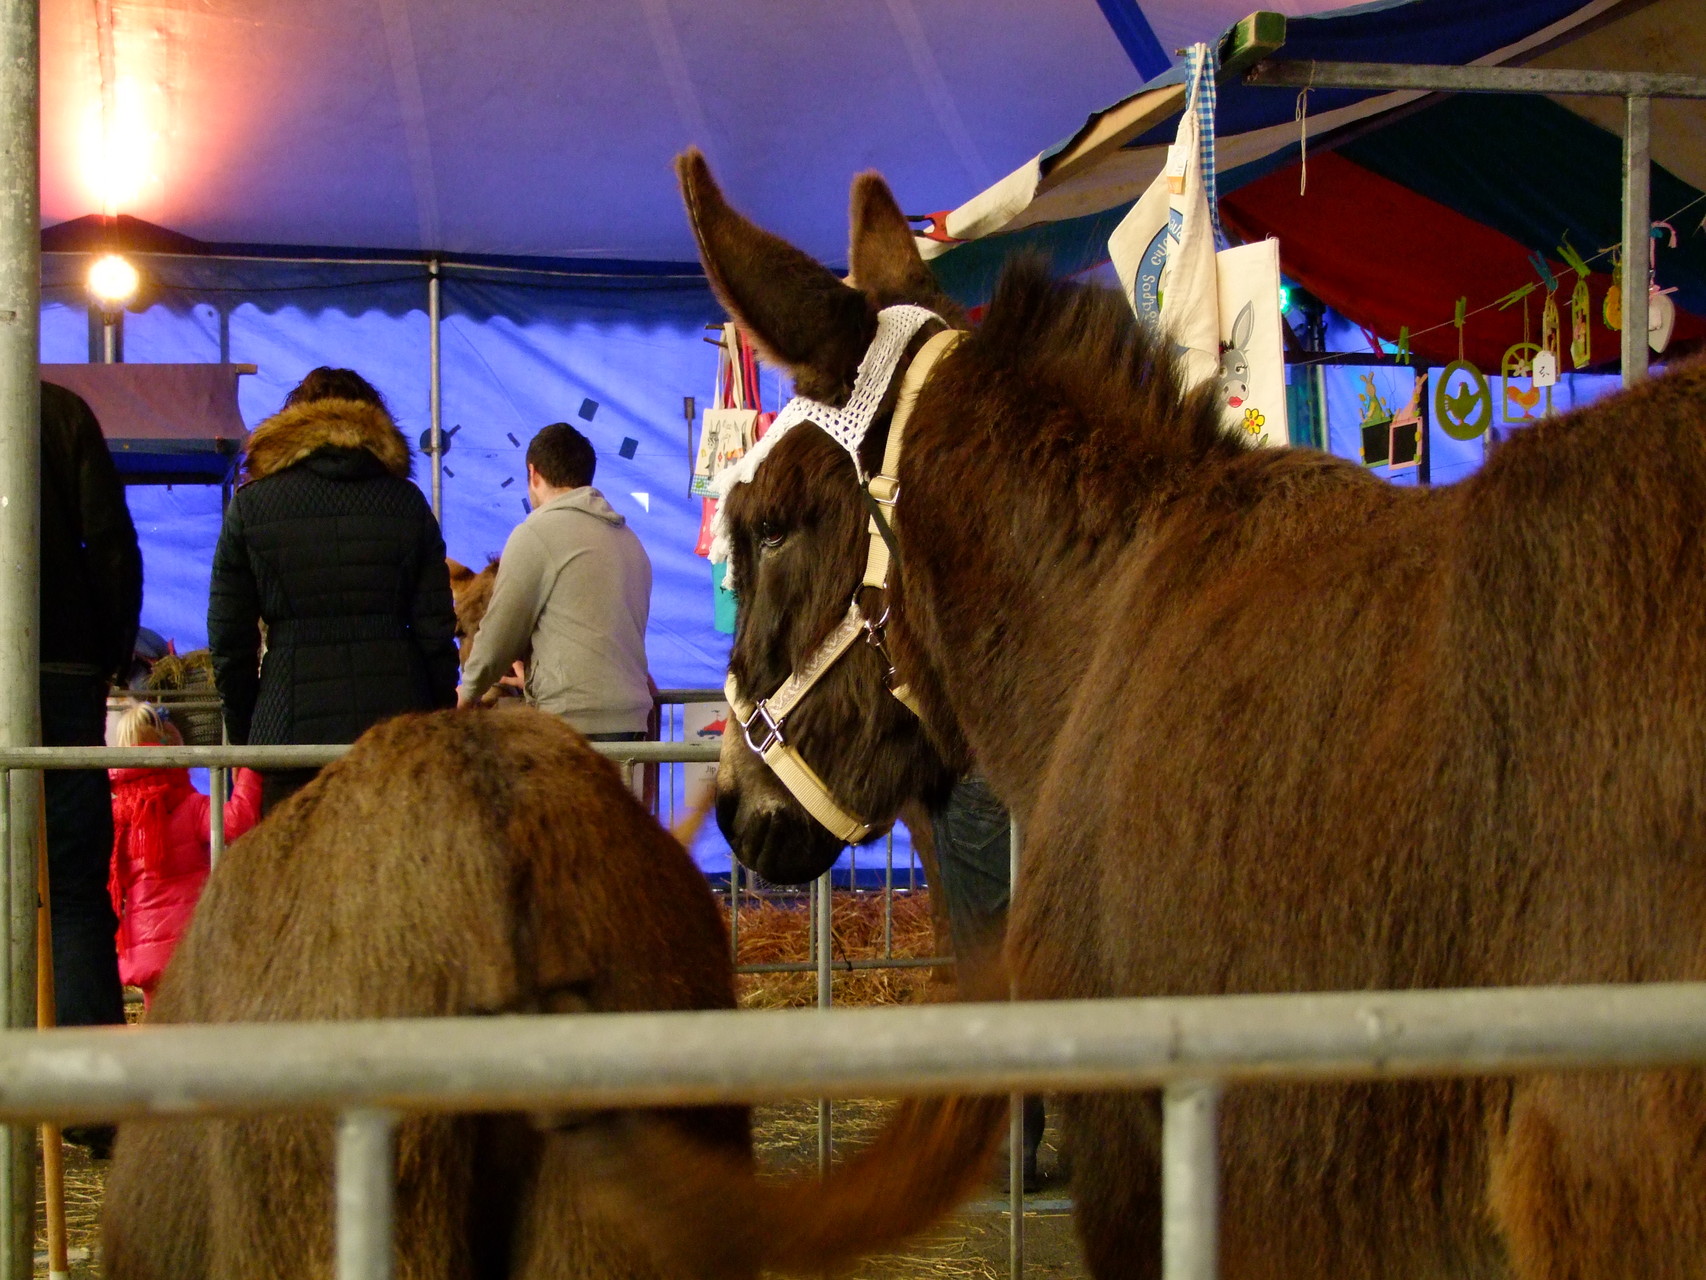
(1269, 724)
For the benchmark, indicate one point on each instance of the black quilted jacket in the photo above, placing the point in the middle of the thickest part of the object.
(332, 547)
(91, 569)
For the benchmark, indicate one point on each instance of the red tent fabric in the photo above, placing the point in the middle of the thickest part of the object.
(1394, 257)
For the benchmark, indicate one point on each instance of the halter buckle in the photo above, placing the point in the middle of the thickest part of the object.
(773, 729)
(874, 636)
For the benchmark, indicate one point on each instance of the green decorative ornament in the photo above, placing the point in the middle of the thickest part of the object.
(1463, 406)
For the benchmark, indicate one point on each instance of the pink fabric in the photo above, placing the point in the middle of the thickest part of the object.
(161, 858)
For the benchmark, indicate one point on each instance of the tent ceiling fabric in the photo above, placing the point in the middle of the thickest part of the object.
(1664, 36)
(536, 128)
(1257, 129)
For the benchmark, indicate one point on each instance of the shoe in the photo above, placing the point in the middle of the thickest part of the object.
(96, 1139)
(1034, 1125)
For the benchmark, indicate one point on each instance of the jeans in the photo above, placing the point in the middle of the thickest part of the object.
(974, 857)
(79, 853)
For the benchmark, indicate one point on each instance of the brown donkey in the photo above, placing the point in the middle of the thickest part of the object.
(476, 863)
(1270, 725)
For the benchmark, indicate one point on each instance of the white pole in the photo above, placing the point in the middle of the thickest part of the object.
(1190, 1181)
(434, 392)
(366, 1176)
(20, 563)
(1637, 234)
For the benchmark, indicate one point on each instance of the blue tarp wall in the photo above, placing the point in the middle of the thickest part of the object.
(515, 356)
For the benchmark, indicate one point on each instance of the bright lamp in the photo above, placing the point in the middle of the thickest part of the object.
(112, 282)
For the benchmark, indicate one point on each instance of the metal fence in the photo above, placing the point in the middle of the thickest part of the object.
(1190, 1048)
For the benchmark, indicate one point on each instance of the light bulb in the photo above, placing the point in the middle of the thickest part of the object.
(113, 282)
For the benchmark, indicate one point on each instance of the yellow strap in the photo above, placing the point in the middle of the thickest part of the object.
(798, 777)
(885, 485)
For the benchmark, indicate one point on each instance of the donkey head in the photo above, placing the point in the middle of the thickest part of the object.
(798, 529)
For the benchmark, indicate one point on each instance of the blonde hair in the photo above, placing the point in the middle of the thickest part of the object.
(146, 725)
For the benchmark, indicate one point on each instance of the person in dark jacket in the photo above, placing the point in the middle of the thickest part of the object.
(331, 547)
(91, 598)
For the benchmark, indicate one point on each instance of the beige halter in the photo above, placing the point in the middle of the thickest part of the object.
(762, 721)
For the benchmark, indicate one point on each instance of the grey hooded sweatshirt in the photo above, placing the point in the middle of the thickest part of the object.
(573, 591)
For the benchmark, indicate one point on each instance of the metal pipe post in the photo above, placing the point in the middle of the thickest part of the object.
(1190, 1181)
(822, 944)
(216, 815)
(434, 391)
(20, 557)
(1016, 1104)
(366, 1177)
(1637, 233)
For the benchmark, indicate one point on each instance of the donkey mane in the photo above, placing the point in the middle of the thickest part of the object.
(1122, 376)
(1082, 409)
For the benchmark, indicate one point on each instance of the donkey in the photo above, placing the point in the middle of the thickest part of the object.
(475, 863)
(1269, 724)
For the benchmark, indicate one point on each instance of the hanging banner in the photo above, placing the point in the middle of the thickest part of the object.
(1222, 310)
(1250, 380)
(724, 437)
(1163, 252)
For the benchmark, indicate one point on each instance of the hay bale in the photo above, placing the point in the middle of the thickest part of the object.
(776, 931)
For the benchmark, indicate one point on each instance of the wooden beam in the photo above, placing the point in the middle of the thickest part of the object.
(1252, 39)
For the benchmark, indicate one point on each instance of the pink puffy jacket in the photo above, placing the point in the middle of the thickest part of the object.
(161, 859)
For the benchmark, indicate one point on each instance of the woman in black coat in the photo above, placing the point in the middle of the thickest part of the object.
(331, 547)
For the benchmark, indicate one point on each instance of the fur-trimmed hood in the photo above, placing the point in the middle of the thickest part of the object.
(288, 437)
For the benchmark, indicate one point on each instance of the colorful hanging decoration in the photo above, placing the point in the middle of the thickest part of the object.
(1613, 309)
(1524, 398)
(1581, 327)
(1543, 364)
(1661, 311)
(1405, 448)
(1463, 403)
(1376, 424)
(727, 431)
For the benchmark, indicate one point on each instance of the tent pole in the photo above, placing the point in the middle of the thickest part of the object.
(1637, 233)
(433, 317)
(20, 569)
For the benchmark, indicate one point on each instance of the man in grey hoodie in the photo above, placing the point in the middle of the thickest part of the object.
(573, 591)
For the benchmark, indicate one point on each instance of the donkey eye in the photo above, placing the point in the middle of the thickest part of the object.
(770, 535)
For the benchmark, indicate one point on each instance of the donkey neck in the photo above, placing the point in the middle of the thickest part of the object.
(1017, 509)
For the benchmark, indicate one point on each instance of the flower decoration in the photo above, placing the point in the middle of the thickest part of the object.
(1254, 420)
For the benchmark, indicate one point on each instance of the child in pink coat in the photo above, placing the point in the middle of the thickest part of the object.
(161, 847)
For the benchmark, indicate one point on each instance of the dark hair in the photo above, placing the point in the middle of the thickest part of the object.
(562, 456)
(326, 383)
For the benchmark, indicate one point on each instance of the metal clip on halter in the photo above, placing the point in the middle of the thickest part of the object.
(771, 724)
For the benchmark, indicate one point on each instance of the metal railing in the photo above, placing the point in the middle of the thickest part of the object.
(1190, 1048)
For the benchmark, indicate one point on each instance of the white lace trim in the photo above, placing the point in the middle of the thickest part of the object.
(847, 426)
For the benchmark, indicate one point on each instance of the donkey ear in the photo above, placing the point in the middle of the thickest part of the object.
(796, 310)
(883, 255)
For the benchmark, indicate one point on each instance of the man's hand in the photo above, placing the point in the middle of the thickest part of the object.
(517, 677)
(462, 698)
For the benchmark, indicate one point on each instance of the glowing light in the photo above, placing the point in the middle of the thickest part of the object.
(113, 282)
(1285, 299)
(120, 146)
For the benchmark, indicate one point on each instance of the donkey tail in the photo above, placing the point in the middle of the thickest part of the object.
(714, 1217)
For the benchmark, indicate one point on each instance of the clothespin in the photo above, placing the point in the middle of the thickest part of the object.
(1459, 320)
(1512, 298)
(1543, 269)
(1404, 344)
(1574, 260)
